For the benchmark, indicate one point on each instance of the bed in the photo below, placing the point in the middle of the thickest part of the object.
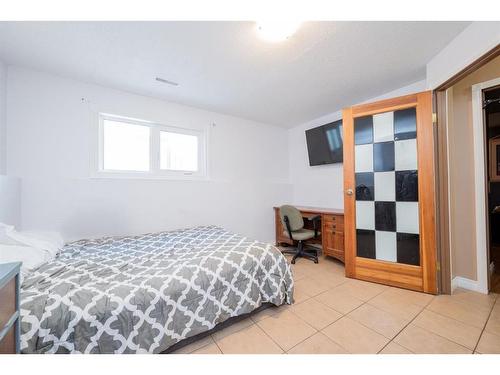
(148, 293)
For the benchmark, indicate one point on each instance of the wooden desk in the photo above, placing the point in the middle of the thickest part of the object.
(332, 229)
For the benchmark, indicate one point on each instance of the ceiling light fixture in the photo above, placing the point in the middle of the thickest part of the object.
(277, 30)
(162, 80)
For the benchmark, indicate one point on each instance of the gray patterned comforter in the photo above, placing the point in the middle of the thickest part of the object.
(145, 293)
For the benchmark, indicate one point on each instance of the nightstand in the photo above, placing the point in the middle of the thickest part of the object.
(9, 307)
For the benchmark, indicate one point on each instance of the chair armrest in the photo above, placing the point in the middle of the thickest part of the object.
(316, 223)
(315, 218)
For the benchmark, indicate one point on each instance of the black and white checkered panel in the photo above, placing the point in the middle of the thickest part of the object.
(387, 221)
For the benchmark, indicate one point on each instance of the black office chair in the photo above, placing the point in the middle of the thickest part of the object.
(292, 220)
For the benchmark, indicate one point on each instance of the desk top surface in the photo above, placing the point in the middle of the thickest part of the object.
(320, 210)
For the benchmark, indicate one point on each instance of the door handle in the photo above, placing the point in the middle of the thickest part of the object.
(349, 192)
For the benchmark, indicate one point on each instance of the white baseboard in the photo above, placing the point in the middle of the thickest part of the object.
(464, 283)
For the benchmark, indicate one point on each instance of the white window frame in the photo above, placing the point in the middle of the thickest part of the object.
(154, 152)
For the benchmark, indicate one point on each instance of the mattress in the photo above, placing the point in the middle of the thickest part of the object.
(143, 294)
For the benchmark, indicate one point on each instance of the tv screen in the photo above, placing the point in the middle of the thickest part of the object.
(324, 144)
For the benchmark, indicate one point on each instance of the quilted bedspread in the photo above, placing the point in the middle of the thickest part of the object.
(143, 294)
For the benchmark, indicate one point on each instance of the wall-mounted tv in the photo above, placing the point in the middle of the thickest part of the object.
(324, 144)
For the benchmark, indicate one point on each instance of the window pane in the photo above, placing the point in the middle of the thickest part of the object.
(126, 146)
(178, 152)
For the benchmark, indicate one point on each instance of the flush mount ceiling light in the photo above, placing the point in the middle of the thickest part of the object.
(163, 80)
(277, 30)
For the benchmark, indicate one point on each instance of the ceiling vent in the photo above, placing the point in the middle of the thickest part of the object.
(162, 80)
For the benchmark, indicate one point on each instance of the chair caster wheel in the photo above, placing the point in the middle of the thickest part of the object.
(293, 261)
(316, 261)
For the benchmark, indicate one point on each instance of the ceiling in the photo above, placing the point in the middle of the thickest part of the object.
(225, 67)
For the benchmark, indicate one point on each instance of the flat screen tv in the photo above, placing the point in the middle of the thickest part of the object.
(324, 144)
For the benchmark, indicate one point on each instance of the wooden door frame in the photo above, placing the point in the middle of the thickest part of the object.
(421, 278)
(442, 193)
(442, 175)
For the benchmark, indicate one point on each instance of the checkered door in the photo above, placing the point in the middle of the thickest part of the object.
(383, 170)
(386, 180)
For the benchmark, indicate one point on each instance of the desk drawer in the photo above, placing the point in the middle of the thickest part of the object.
(7, 302)
(335, 222)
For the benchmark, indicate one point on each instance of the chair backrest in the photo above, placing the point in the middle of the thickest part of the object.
(294, 217)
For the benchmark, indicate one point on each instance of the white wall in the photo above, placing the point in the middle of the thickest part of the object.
(10, 200)
(468, 46)
(49, 143)
(322, 186)
(3, 116)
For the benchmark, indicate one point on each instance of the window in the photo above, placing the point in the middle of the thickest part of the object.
(125, 146)
(129, 147)
(178, 152)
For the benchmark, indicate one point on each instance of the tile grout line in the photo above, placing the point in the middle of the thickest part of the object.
(459, 321)
(484, 327)
(317, 330)
(425, 308)
(279, 346)
(265, 333)
(217, 345)
(402, 329)
(253, 323)
(446, 338)
(364, 325)
(309, 298)
(366, 303)
(343, 316)
(238, 330)
(324, 304)
(456, 320)
(466, 304)
(321, 331)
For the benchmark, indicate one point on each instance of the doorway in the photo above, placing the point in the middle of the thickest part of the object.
(491, 107)
(464, 207)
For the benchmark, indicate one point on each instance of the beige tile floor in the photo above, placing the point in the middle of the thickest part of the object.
(333, 314)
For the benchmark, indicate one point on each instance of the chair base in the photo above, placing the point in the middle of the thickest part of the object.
(302, 252)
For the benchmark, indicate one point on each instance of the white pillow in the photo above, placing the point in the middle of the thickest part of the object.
(30, 256)
(48, 243)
